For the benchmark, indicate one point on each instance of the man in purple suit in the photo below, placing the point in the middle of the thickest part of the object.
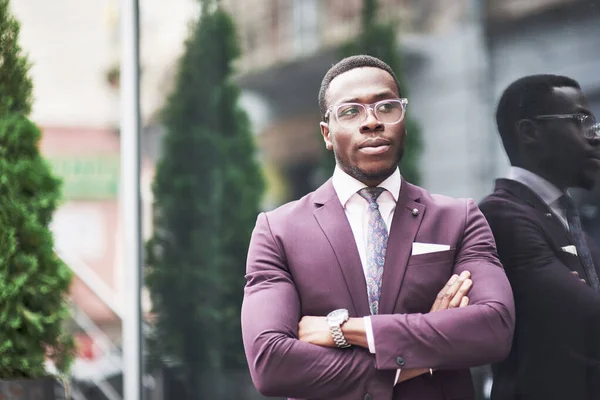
(343, 296)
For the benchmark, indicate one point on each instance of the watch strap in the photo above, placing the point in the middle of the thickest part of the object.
(338, 337)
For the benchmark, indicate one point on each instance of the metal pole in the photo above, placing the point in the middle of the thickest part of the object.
(130, 199)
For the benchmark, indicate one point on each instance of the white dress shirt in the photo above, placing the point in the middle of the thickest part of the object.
(356, 207)
(545, 190)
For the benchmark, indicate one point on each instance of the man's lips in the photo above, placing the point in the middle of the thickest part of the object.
(374, 150)
(593, 162)
(374, 146)
(375, 142)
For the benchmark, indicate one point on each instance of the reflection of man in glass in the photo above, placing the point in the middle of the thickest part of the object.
(552, 140)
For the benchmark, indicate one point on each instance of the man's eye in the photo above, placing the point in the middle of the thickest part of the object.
(348, 111)
(387, 107)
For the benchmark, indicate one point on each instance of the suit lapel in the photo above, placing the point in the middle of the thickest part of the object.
(554, 225)
(555, 228)
(405, 225)
(332, 219)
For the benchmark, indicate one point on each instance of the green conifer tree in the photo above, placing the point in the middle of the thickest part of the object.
(207, 192)
(34, 282)
(15, 85)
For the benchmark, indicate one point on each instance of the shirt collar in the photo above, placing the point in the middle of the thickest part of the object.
(544, 189)
(346, 186)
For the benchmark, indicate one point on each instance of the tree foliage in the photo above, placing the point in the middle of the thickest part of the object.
(207, 193)
(34, 282)
(15, 84)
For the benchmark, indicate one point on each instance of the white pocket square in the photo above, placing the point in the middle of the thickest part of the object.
(570, 249)
(424, 248)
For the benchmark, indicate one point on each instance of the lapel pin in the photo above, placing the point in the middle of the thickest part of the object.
(415, 212)
(549, 215)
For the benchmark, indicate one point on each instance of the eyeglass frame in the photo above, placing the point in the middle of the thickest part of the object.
(594, 129)
(369, 107)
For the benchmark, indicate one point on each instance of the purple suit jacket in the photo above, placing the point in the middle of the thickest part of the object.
(303, 260)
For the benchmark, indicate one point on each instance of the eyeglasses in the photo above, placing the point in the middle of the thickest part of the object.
(587, 122)
(351, 115)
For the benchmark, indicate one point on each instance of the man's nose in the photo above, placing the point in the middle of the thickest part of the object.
(371, 123)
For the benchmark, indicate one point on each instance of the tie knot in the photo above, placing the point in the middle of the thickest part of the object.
(370, 194)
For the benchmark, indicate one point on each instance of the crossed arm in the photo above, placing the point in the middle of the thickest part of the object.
(447, 338)
(315, 330)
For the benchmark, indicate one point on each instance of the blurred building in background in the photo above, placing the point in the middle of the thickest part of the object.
(458, 58)
(289, 45)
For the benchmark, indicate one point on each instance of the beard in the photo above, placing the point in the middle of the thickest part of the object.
(370, 176)
(378, 175)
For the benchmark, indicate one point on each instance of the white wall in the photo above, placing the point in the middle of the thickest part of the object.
(73, 43)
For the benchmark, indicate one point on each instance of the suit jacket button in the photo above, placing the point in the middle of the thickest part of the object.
(368, 397)
(400, 361)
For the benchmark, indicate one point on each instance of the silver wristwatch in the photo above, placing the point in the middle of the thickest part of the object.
(336, 319)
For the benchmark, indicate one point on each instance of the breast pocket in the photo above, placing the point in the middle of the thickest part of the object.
(426, 275)
(571, 261)
(433, 257)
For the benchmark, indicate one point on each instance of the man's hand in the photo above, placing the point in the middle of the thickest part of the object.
(454, 294)
(577, 275)
(315, 330)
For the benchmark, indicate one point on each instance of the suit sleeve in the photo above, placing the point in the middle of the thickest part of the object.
(457, 338)
(280, 364)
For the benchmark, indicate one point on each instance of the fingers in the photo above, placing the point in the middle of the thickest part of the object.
(461, 293)
(464, 302)
(440, 295)
(452, 294)
(453, 290)
(577, 275)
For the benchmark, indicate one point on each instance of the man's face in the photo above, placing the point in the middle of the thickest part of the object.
(565, 152)
(370, 151)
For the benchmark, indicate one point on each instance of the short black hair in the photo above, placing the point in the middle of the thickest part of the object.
(525, 98)
(348, 64)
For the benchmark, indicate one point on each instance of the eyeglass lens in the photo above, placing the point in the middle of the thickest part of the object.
(593, 132)
(353, 114)
(591, 127)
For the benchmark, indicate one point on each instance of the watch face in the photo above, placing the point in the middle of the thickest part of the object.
(337, 317)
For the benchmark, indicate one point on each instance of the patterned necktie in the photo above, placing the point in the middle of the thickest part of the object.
(567, 203)
(377, 237)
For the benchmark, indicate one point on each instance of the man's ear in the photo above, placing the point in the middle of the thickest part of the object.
(326, 135)
(528, 132)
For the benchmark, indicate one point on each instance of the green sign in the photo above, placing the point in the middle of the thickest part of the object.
(87, 177)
